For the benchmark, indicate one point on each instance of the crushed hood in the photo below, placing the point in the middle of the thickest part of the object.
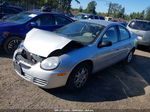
(42, 42)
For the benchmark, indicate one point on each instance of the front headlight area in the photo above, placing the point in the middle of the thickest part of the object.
(50, 63)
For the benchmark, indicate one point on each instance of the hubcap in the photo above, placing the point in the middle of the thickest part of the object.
(130, 56)
(12, 45)
(81, 77)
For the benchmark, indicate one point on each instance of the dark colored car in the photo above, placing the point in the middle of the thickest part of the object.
(13, 29)
(89, 16)
(6, 9)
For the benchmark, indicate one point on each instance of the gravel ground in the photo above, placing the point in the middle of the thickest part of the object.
(117, 87)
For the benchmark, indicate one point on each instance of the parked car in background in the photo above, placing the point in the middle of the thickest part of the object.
(70, 54)
(13, 29)
(108, 18)
(120, 20)
(7, 9)
(142, 29)
(88, 16)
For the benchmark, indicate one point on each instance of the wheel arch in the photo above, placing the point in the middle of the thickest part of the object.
(11, 35)
(87, 61)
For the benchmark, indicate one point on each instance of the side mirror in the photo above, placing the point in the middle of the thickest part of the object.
(32, 24)
(105, 44)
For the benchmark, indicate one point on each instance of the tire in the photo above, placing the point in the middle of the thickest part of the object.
(79, 77)
(130, 57)
(11, 44)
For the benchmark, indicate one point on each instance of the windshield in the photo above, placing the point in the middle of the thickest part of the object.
(83, 32)
(20, 18)
(140, 25)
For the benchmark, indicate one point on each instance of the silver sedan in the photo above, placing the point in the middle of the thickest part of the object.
(69, 55)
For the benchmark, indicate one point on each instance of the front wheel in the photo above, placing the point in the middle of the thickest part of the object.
(78, 77)
(11, 44)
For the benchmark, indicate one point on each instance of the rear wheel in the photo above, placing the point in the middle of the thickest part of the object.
(79, 77)
(11, 44)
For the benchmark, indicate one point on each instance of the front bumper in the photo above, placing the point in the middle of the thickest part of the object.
(36, 75)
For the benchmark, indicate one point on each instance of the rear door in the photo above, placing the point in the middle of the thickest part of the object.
(124, 42)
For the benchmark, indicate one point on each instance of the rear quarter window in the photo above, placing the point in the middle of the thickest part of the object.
(60, 20)
(102, 18)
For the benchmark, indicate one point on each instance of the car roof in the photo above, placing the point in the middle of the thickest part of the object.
(89, 14)
(101, 22)
(38, 12)
(140, 20)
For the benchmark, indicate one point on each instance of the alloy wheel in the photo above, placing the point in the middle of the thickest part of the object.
(81, 77)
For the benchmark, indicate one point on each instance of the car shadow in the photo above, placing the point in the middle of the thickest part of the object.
(143, 48)
(114, 83)
(4, 55)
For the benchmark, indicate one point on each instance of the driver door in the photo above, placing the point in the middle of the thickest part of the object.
(106, 56)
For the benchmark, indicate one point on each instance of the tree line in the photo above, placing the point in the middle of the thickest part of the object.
(64, 6)
(114, 10)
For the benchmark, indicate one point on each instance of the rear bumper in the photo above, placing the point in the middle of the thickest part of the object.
(144, 43)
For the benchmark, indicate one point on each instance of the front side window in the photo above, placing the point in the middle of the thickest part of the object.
(83, 32)
(111, 35)
(61, 20)
(124, 34)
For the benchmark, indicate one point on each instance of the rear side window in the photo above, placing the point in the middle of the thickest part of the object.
(59, 20)
(140, 25)
(124, 34)
(91, 17)
(45, 20)
(102, 18)
(96, 17)
(111, 35)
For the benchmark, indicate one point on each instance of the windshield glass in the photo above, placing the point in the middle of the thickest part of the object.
(20, 18)
(83, 32)
(140, 25)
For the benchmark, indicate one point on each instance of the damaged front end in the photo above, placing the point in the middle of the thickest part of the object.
(36, 49)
